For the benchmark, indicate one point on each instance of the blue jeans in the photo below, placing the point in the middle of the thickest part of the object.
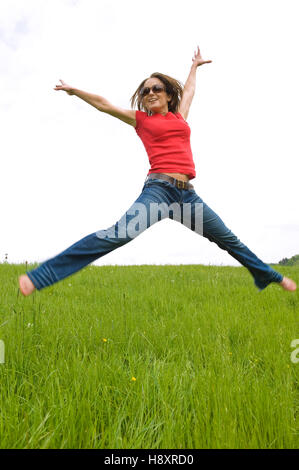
(158, 199)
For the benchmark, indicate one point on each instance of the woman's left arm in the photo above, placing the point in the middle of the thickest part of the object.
(189, 88)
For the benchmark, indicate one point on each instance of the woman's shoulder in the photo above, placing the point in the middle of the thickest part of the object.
(178, 115)
(141, 114)
(140, 117)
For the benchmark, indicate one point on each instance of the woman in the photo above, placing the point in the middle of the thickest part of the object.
(160, 121)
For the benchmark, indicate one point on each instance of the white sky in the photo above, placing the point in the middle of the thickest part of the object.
(68, 170)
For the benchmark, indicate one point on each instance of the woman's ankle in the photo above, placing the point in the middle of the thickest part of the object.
(288, 284)
(26, 285)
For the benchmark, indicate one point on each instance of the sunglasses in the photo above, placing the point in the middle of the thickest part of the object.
(156, 89)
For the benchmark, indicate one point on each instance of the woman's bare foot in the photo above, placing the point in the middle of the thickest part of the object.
(26, 285)
(288, 284)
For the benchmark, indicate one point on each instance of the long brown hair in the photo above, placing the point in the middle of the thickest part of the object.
(173, 87)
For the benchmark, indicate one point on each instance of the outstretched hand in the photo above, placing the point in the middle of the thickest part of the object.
(65, 87)
(198, 60)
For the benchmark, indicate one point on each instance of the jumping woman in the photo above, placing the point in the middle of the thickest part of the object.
(160, 122)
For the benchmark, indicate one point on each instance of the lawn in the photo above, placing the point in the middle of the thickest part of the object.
(149, 357)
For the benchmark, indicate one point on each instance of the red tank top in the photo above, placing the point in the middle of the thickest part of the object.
(167, 142)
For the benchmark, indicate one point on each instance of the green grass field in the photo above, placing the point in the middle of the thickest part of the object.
(151, 357)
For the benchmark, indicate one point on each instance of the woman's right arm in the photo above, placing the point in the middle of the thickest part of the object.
(100, 103)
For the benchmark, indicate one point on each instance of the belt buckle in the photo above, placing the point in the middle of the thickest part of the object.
(181, 184)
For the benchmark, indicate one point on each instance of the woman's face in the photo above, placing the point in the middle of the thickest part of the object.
(156, 101)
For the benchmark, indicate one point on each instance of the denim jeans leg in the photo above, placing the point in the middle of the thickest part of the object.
(102, 242)
(214, 229)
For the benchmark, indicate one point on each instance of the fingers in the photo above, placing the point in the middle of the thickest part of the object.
(197, 57)
(197, 51)
(60, 86)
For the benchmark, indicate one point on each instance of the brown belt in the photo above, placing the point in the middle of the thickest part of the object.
(177, 183)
